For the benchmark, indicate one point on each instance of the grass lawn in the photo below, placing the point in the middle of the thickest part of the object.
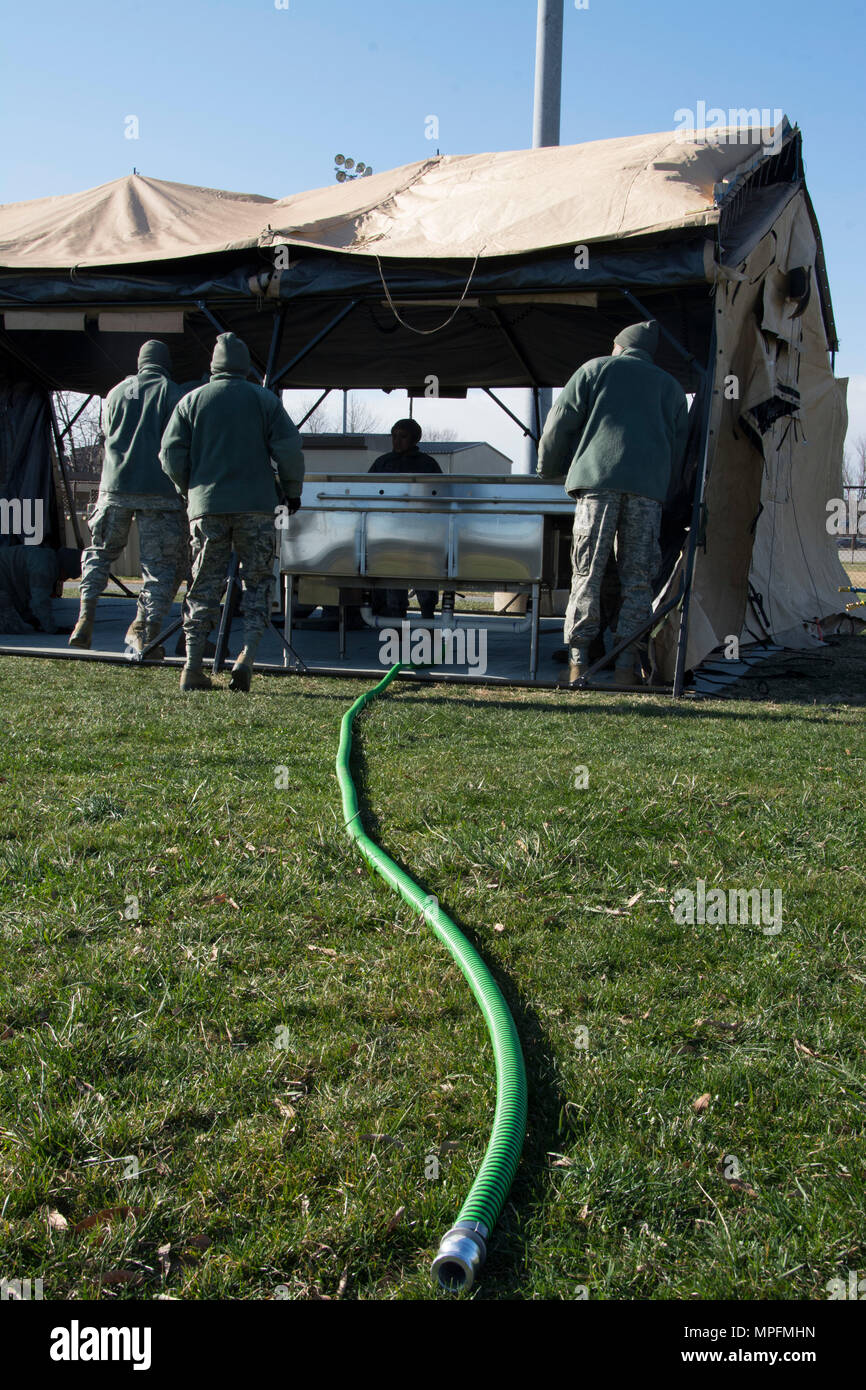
(232, 1064)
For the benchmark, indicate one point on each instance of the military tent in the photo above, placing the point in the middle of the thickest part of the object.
(499, 270)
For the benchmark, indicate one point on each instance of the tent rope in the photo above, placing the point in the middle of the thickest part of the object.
(426, 332)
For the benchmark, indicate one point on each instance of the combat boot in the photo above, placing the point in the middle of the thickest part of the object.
(135, 632)
(82, 633)
(192, 677)
(624, 675)
(576, 670)
(152, 631)
(578, 665)
(242, 671)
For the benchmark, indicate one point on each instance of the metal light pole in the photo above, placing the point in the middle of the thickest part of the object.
(548, 74)
(348, 169)
(545, 131)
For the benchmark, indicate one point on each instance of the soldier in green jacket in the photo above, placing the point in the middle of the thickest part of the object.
(134, 415)
(617, 432)
(217, 451)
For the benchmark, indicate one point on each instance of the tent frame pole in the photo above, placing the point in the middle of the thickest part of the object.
(510, 413)
(276, 339)
(80, 411)
(314, 341)
(697, 509)
(517, 350)
(61, 463)
(313, 408)
(674, 342)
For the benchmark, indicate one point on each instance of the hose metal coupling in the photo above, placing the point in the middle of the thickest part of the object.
(462, 1252)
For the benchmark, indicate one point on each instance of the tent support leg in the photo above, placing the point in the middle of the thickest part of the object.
(535, 600)
(697, 505)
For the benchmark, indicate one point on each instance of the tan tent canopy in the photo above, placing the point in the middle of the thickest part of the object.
(503, 204)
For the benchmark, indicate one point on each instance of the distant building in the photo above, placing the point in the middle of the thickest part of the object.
(84, 470)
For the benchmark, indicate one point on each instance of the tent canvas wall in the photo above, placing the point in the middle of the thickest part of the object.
(26, 473)
(497, 270)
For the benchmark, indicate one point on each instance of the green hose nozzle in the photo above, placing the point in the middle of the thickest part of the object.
(464, 1248)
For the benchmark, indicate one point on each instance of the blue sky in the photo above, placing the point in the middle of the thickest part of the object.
(242, 95)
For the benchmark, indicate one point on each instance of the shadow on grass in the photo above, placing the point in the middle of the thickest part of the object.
(751, 706)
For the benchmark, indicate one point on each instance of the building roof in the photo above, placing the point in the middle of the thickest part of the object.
(381, 443)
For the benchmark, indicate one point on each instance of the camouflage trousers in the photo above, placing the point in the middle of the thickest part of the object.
(252, 535)
(600, 519)
(162, 546)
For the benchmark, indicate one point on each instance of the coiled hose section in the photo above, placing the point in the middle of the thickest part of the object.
(463, 1248)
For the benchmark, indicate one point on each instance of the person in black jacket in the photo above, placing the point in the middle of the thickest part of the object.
(405, 457)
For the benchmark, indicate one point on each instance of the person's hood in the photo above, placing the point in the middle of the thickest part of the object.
(231, 357)
(644, 336)
(154, 355)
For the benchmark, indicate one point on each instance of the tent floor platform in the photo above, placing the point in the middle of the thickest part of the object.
(507, 656)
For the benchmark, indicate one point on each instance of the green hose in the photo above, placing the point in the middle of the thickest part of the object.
(463, 1249)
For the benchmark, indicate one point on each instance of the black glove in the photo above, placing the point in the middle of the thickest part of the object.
(293, 504)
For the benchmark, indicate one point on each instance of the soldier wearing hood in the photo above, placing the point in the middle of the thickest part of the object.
(617, 432)
(217, 451)
(134, 415)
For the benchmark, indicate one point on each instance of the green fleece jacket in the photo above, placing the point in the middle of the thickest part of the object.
(620, 425)
(134, 415)
(221, 438)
